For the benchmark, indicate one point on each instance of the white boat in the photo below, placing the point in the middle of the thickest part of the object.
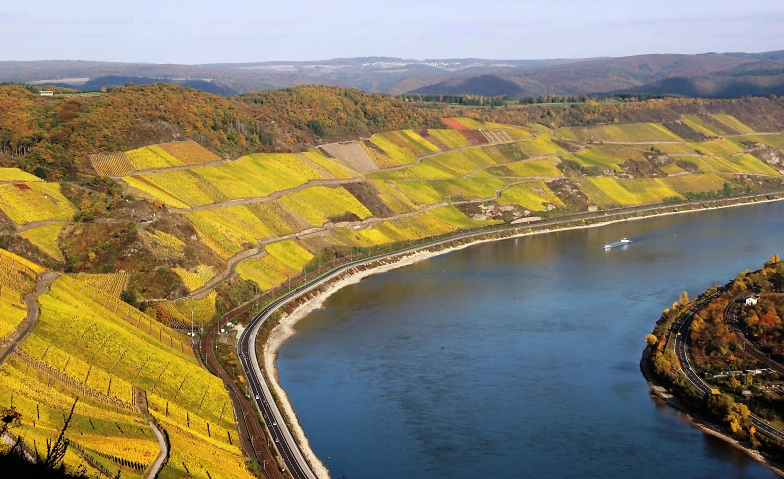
(624, 241)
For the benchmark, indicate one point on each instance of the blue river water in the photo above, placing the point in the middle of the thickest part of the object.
(519, 358)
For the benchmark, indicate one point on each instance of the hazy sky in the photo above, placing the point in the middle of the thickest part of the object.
(199, 31)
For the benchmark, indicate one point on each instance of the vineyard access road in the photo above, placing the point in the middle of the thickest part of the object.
(44, 281)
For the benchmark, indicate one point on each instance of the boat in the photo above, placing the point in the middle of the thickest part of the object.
(624, 241)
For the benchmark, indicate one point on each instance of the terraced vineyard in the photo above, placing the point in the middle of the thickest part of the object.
(112, 164)
(197, 278)
(152, 157)
(17, 280)
(396, 186)
(110, 283)
(15, 175)
(163, 245)
(89, 344)
(249, 177)
(45, 237)
(189, 152)
(30, 202)
(283, 260)
(625, 133)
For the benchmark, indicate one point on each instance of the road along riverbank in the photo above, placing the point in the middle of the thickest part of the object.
(285, 328)
(659, 392)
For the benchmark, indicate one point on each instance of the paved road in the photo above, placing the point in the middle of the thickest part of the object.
(284, 442)
(44, 281)
(682, 336)
(288, 448)
(732, 318)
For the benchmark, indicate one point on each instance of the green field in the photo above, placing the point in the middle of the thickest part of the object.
(534, 196)
(605, 191)
(626, 133)
(773, 141)
(283, 260)
(694, 183)
(250, 176)
(648, 190)
(45, 238)
(699, 124)
(747, 163)
(401, 155)
(540, 145)
(599, 157)
(733, 123)
(451, 138)
(541, 167)
(723, 147)
(436, 191)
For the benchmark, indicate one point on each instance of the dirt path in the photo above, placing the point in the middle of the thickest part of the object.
(163, 454)
(36, 224)
(232, 262)
(430, 155)
(45, 280)
(150, 171)
(271, 197)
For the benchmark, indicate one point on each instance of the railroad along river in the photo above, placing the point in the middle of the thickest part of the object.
(519, 358)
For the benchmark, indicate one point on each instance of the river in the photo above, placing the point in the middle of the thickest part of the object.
(519, 358)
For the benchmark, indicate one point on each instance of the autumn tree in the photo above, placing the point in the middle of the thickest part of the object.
(683, 300)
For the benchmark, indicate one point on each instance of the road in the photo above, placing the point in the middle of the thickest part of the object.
(682, 336)
(732, 318)
(44, 281)
(265, 404)
(288, 448)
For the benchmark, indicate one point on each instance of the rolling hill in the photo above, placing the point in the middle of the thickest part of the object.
(710, 74)
(155, 209)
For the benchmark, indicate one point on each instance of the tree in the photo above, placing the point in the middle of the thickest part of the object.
(684, 298)
(651, 339)
(733, 382)
(317, 128)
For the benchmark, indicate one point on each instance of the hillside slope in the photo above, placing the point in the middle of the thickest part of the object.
(709, 75)
(152, 239)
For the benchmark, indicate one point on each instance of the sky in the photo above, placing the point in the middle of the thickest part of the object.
(229, 31)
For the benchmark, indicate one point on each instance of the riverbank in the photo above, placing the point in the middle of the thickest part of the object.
(660, 393)
(286, 327)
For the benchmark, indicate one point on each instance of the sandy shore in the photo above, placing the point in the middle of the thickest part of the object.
(285, 329)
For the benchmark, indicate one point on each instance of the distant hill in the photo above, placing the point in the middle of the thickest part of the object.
(710, 74)
(714, 75)
(95, 84)
(485, 85)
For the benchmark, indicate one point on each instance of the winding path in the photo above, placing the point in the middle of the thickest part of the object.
(44, 281)
(682, 337)
(732, 318)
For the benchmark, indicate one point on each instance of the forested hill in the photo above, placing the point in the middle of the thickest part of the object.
(58, 134)
(54, 136)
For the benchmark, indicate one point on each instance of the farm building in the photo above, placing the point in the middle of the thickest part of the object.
(751, 300)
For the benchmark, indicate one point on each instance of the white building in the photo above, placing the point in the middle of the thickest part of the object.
(751, 300)
(47, 93)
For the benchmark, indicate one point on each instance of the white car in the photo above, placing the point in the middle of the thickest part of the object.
(257, 396)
